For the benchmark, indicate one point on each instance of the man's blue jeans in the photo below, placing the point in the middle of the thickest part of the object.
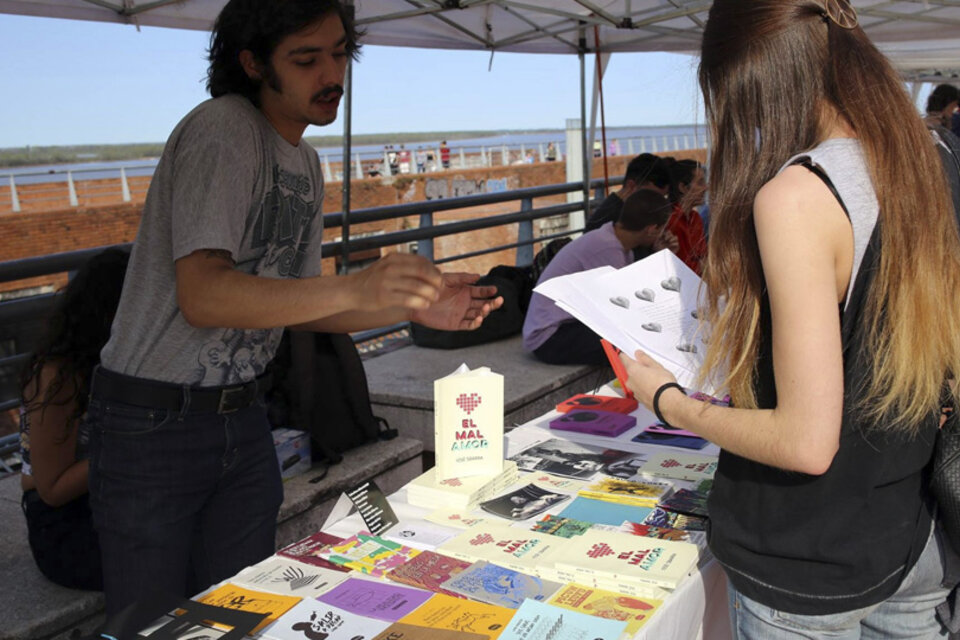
(180, 500)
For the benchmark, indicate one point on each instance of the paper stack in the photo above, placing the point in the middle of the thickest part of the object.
(462, 494)
(651, 305)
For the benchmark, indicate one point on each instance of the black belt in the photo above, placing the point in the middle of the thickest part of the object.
(139, 392)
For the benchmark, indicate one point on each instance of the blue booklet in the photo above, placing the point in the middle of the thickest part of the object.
(498, 585)
(535, 621)
(603, 512)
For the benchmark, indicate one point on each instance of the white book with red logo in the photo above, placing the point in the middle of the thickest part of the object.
(468, 423)
(512, 547)
(621, 557)
(459, 493)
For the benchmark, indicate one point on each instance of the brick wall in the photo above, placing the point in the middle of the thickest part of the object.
(91, 225)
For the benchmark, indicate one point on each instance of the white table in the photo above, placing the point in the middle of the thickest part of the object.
(696, 610)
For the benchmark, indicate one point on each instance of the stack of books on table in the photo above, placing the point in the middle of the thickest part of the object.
(459, 493)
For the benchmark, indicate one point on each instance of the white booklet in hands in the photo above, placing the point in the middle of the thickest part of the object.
(651, 305)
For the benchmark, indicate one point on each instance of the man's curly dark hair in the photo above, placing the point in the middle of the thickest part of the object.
(259, 26)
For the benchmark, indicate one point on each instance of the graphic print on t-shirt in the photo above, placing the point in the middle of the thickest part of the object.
(279, 241)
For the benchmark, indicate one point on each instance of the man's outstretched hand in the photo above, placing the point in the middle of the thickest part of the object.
(460, 306)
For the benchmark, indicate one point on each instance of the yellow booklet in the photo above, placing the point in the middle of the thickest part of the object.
(231, 596)
(468, 423)
(446, 612)
(606, 604)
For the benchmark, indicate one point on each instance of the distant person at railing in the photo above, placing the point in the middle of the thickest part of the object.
(646, 171)
(185, 484)
(687, 188)
(551, 152)
(444, 155)
(54, 434)
(553, 335)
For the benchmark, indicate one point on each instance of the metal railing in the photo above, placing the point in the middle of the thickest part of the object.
(70, 185)
(28, 309)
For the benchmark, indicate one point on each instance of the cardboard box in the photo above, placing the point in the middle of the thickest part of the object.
(293, 451)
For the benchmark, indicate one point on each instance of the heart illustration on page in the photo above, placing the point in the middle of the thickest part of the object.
(469, 402)
(671, 284)
(646, 294)
(652, 326)
(620, 301)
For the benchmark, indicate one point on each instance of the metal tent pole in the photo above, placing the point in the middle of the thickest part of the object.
(345, 164)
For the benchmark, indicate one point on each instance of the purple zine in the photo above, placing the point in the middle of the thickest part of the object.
(599, 423)
(373, 599)
(659, 427)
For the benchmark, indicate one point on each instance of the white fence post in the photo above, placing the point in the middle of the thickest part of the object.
(124, 186)
(504, 155)
(630, 146)
(327, 174)
(359, 166)
(72, 190)
(14, 199)
(463, 159)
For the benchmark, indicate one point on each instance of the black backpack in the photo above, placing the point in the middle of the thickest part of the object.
(319, 386)
(514, 284)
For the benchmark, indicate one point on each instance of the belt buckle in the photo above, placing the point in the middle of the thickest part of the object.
(233, 399)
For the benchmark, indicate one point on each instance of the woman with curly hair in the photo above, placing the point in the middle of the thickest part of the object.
(53, 438)
(832, 319)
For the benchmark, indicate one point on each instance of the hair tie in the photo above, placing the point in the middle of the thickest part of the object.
(840, 12)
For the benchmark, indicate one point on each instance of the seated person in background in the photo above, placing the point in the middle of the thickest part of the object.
(552, 334)
(941, 105)
(687, 188)
(646, 171)
(53, 436)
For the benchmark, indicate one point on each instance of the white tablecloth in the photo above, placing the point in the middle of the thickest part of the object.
(696, 610)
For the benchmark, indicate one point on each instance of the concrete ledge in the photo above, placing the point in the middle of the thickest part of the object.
(401, 383)
(390, 463)
(33, 608)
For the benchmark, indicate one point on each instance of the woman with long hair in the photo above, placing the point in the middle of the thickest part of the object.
(832, 319)
(54, 389)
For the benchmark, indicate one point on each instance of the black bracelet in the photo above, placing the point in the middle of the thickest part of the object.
(656, 400)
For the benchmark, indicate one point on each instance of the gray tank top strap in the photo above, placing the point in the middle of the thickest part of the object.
(843, 162)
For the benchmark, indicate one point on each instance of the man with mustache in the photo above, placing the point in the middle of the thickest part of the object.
(185, 487)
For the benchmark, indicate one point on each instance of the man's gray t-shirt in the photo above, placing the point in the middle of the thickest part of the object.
(226, 180)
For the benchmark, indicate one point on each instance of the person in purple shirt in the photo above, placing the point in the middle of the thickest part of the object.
(553, 335)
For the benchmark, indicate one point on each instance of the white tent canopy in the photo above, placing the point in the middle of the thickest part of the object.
(922, 34)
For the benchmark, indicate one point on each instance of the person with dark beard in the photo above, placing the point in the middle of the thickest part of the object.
(184, 484)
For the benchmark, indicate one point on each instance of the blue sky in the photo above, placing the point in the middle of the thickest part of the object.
(75, 82)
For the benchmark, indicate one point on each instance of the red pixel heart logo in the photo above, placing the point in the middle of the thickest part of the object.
(469, 402)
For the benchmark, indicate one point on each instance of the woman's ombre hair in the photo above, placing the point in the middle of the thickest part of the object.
(770, 71)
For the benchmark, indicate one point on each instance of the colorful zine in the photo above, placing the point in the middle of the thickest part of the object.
(404, 631)
(457, 614)
(375, 599)
(232, 596)
(537, 620)
(643, 493)
(429, 571)
(561, 527)
(591, 402)
(568, 459)
(692, 503)
(498, 585)
(523, 503)
(311, 548)
(369, 554)
(468, 423)
(594, 422)
(698, 538)
(606, 604)
(661, 517)
(604, 511)
(313, 619)
(289, 577)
